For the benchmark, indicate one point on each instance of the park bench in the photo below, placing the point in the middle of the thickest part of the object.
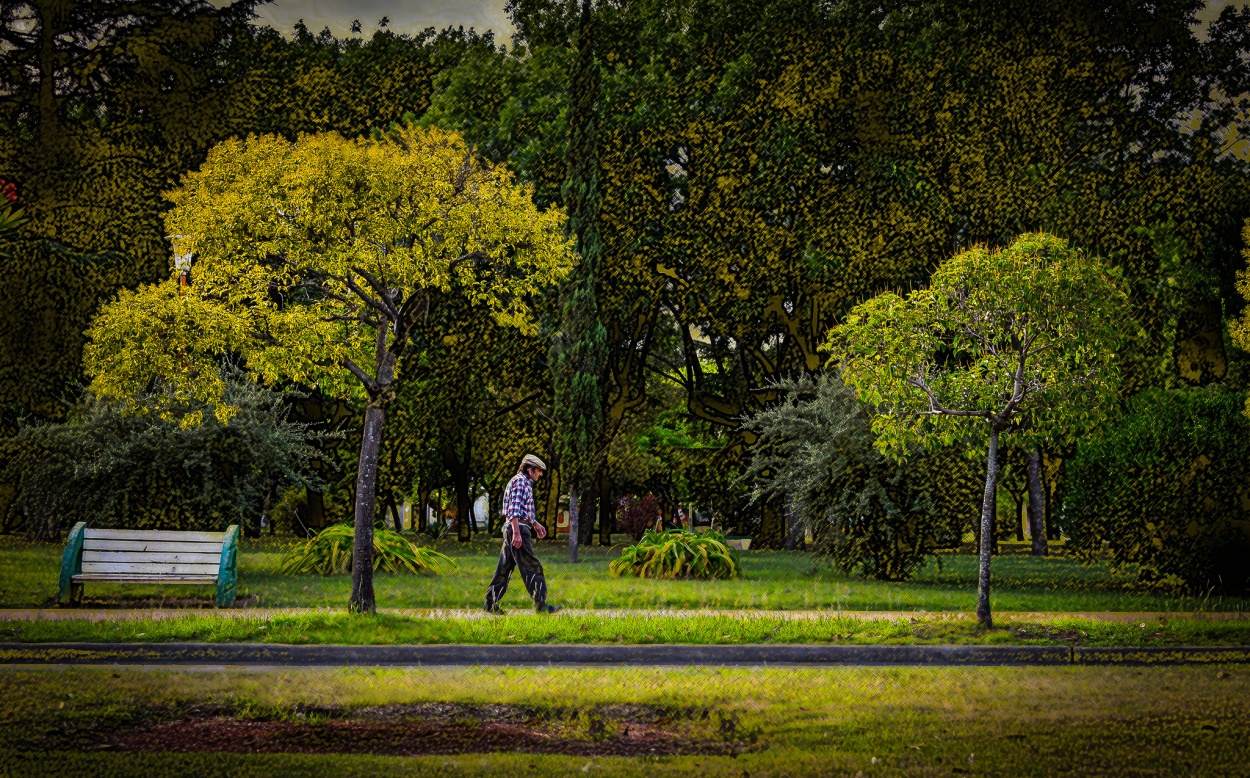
(151, 557)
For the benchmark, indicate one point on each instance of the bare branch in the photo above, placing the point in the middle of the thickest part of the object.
(948, 412)
(381, 291)
(472, 255)
(370, 385)
(935, 406)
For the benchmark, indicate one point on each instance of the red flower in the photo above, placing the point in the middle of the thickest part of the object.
(10, 190)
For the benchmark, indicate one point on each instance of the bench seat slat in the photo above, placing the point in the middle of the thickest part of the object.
(162, 579)
(150, 568)
(145, 557)
(98, 544)
(147, 534)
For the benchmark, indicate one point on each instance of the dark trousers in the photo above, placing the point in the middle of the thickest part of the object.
(523, 557)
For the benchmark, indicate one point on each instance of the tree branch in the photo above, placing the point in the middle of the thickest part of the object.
(371, 386)
(472, 255)
(369, 301)
(935, 406)
(381, 291)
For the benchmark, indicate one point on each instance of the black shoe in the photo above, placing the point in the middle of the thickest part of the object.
(549, 608)
(494, 611)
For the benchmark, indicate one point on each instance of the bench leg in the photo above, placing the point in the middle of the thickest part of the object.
(75, 594)
(226, 591)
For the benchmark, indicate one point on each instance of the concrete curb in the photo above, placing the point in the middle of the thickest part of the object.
(627, 655)
(1193, 655)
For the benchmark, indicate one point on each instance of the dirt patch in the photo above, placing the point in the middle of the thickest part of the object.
(441, 729)
(401, 739)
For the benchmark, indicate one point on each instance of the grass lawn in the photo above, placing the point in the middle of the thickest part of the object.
(773, 580)
(581, 721)
(347, 629)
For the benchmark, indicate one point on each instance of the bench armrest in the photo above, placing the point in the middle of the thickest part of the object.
(71, 560)
(228, 568)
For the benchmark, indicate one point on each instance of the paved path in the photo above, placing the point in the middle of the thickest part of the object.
(262, 614)
(245, 654)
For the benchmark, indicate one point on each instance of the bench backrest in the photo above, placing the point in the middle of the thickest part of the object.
(151, 552)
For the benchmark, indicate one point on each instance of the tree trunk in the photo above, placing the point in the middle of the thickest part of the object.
(460, 482)
(393, 505)
(1037, 504)
(987, 531)
(998, 468)
(1021, 506)
(49, 20)
(605, 508)
(496, 511)
(366, 487)
(772, 527)
(314, 510)
(573, 522)
(587, 509)
(1048, 495)
(794, 530)
(422, 522)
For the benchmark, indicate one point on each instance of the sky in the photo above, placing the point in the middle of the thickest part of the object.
(406, 16)
(412, 16)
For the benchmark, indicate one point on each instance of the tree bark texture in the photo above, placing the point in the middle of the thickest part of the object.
(460, 481)
(1048, 489)
(605, 508)
(1019, 512)
(573, 523)
(362, 600)
(987, 531)
(794, 530)
(395, 515)
(1037, 504)
(311, 512)
(587, 509)
(420, 522)
(772, 526)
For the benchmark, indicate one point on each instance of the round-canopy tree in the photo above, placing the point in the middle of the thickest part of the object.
(315, 261)
(1019, 340)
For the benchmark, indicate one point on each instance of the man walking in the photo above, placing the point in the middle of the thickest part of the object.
(520, 525)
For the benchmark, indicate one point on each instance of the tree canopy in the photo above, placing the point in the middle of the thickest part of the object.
(315, 262)
(1021, 340)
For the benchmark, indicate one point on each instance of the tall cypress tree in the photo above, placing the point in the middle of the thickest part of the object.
(579, 349)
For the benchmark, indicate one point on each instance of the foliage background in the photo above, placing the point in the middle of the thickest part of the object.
(762, 168)
(113, 467)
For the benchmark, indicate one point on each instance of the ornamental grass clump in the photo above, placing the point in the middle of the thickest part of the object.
(330, 551)
(679, 553)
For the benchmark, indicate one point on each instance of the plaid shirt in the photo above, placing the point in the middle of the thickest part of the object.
(518, 499)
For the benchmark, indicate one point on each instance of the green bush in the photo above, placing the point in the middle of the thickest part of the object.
(816, 451)
(1167, 488)
(678, 553)
(330, 551)
(120, 465)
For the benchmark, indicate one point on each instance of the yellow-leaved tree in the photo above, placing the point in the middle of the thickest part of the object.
(315, 261)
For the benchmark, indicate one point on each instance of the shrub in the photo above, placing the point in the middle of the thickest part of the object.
(121, 465)
(1166, 488)
(330, 551)
(636, 515)
(816, 450)
(678, 553)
